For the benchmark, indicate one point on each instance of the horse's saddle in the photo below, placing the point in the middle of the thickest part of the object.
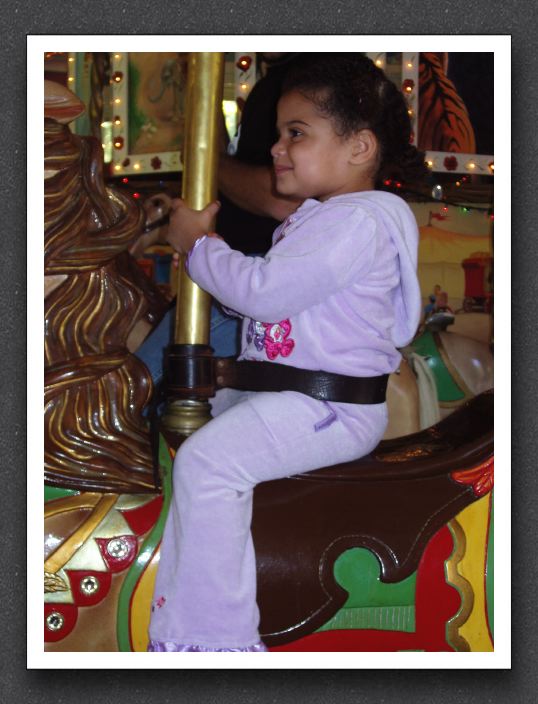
(392, 502)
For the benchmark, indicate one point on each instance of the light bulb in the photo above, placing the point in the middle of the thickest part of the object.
(437, 192)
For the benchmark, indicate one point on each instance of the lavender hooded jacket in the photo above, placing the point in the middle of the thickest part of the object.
(338, 290)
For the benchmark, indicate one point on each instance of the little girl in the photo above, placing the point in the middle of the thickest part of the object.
(337, 292)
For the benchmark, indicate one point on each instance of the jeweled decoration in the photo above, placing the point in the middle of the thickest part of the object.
(54, 621)
(118, 548)
(89, 585)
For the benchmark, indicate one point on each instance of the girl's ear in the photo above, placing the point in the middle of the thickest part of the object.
(364, 146)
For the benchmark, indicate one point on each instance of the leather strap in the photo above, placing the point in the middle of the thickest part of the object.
(324, 386)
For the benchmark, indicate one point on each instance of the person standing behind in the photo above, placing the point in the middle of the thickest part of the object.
(251, 207)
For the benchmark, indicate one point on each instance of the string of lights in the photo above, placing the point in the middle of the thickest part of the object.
(404, 189)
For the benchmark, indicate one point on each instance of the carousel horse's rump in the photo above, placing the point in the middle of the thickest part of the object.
(403, 403)
(391, 502)
(462, 366)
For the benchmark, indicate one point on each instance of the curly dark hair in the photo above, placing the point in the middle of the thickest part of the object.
(355, 94)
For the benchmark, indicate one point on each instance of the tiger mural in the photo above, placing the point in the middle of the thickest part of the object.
(444, 123)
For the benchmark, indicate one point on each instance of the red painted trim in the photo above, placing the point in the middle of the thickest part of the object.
(479, 477)
(69, 613)
(143, 518)
(80, 599)
(115, 564)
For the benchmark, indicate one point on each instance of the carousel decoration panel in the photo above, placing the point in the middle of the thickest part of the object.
(148, 101)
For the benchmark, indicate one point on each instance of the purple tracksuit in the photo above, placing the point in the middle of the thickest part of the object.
(338, 291)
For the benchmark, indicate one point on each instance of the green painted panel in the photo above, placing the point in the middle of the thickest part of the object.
(381, 618)
(83, 89)
(137, 117)
(371, 603)
(53, 492)
(447, 389)
(357, 571)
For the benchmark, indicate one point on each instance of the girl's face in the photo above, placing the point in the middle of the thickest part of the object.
(310, 160)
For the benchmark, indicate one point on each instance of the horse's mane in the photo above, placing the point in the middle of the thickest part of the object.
(95, 390)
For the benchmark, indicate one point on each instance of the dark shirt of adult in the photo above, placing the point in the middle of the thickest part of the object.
(245, 231)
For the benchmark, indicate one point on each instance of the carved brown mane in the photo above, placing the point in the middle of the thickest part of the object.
(96, 438)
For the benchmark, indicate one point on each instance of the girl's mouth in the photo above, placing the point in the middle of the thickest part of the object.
(281, 169)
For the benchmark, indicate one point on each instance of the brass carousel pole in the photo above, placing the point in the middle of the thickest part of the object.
(188, 366)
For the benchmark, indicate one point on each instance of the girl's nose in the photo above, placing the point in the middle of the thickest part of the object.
(277, 149)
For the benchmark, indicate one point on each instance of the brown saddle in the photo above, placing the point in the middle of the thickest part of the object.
(391, 502)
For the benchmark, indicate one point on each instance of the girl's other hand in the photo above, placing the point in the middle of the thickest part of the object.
(187, 225)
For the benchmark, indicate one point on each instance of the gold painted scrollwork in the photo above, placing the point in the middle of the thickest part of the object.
(462, 585)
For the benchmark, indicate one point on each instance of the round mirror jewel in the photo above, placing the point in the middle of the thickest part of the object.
(118, 548)
(89, 585)
(55, 621)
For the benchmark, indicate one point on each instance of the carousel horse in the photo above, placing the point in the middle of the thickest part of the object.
(99, 306)
(419, 504)
(462, 365)
(478, 326)
(411, 506)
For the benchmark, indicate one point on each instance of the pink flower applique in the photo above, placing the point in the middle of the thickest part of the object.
(276, 339)
(159, 603)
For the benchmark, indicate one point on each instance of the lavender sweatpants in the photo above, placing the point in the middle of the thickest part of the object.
(205, 591)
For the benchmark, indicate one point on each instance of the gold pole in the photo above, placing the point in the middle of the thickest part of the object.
(193, 308)
(204, 100)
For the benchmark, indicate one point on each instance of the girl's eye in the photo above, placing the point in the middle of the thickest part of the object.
(295, 133)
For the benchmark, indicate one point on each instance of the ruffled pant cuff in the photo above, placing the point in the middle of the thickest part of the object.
(159, 646)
